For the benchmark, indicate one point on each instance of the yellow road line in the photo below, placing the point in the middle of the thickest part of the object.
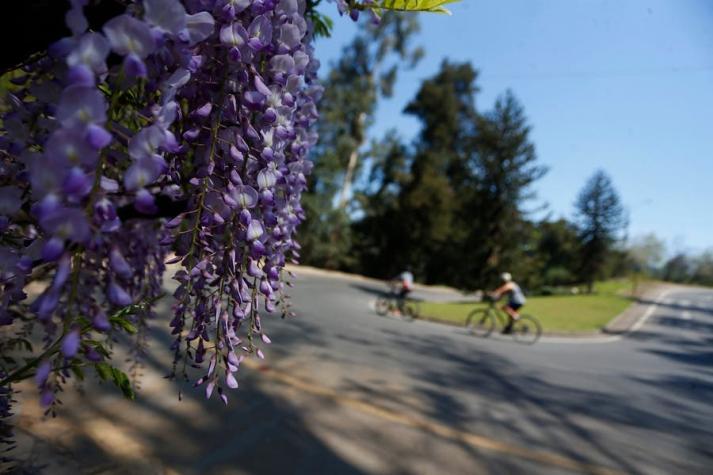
(430, 426)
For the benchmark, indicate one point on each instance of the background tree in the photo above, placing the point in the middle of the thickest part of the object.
(558, 249)
(378, 233)
(409, 205)
(646, 253)
(501, 166)
(451, 207)
(702, 272)
(366, 72)
(600, 216)
(428, 203)
(677, 268)
(689, 269)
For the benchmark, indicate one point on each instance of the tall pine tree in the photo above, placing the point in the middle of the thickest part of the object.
(455, 215)
(600, 216)
(502, 166)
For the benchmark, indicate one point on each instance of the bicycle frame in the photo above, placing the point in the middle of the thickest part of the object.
(392, 301)
(502, 317)
(522, 328)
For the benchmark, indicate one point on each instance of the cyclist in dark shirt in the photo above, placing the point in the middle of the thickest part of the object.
(404, 286)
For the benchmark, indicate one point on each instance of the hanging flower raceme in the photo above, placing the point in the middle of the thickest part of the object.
(176, 127)
(238, 230)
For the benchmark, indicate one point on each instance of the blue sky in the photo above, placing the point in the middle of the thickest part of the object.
(623, 85)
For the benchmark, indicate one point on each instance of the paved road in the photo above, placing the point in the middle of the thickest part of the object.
(346, 391)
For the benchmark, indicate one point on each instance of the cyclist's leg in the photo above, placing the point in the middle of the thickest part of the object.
(510, 310)
(402, 300)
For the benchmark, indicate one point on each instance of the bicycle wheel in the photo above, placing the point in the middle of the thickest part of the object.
(526, 330)
(382, 306)
(412, 309)
(480, 323)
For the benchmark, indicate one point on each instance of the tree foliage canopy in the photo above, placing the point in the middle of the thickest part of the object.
(600, 216)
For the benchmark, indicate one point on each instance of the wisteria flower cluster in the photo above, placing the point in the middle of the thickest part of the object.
(176, 133)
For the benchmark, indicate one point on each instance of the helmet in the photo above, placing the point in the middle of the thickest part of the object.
(506, 277)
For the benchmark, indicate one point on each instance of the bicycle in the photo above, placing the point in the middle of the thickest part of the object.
(390, 303)
(482, 321)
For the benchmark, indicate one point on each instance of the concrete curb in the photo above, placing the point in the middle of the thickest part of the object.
(625, 321)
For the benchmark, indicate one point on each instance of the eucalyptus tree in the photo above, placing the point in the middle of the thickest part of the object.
(366, 71)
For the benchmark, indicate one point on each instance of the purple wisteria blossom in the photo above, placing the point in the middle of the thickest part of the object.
(132, 39)
(81, 105)
(91, 52)
(167, 15)
(209, 108)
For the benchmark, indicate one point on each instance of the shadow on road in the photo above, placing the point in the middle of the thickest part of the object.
(573, 421)
(677, 307)
(693, 324)
(257, 433)
(657, 421)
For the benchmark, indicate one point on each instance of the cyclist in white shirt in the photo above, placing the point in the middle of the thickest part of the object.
(516, 298)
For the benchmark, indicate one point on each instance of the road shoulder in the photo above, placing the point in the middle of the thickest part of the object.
(631, 318)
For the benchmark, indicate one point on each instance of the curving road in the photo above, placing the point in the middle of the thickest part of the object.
(345, 391)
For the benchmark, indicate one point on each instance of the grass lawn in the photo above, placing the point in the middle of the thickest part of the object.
(568, 313)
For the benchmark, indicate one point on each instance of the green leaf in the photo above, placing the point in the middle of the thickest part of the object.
(322, 24)
(432, 6)
(26, 344)
(99, 348)
(121, 320)
(128, 310)
(125, 324)
(77, 370)
(118, 377)
(103, 370)
(19, 343)
(121, 380)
